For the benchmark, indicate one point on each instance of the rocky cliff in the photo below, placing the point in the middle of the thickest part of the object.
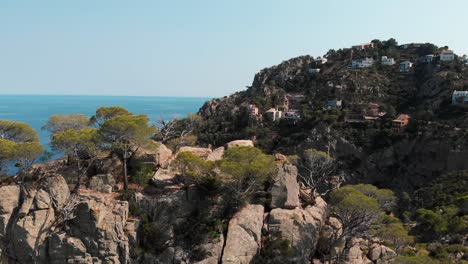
(43, 221)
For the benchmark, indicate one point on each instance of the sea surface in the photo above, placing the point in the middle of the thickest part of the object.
(36, 109)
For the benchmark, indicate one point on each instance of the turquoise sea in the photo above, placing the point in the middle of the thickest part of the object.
(36, 109)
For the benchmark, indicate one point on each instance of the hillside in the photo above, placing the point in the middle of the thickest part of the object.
(366, 143)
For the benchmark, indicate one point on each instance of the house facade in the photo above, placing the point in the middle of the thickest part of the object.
(334, 104)
(460, 98)
(428, 58)
(447, 55)
(406, 66)
(291, 115)
(363, 46)
(273, 114)
(252, 110)
(362, 63)
(314, 71)
(387, 61)
(321, 60)
(399, 124)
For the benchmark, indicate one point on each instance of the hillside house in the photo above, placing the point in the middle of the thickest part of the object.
(274, 114)
(291, 115)
(252, 110)
(399, 124)
(406, 66)
(387, 61)
(293, 101)
(363, 46)
(465, 59)
(314, 71)
(321, 60)
(460, 97)
(428, 58)
(411, 45)
(331, 104)
(447, 55)
(362, 63)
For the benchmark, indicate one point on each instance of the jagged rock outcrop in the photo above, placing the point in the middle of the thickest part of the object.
(300, 227)
(369, 252)
(159, 157)
(240, 143)
(200, 152)
(217, 154)
(285, 188)
(244, 235)
(102, 182)
(9, 201)
(37, 230)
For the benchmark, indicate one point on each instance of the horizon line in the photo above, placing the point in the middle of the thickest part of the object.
(166, 96)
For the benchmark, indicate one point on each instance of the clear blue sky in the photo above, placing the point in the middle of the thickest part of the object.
(195, 48)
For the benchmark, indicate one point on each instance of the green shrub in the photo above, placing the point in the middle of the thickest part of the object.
(430, 224)
(390, 228)
(142, 174)
(415, 260)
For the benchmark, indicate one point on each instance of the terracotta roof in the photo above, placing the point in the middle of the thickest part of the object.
(401, 118)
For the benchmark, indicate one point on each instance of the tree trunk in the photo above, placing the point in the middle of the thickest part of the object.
(125, 173)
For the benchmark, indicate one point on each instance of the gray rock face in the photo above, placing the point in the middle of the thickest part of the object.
(99, 224)
(244, 235)
(301, 227)
(285, 190)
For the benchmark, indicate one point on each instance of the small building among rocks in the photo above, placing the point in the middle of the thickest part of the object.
(331, 104)
(399, 124)
(274, 114)
(460, 98)
(362, 63)
(321, 60)
(406, 66)
(447, 55)
(428, 58)
(252, 109)
(314, 71)
(387, 61)
(292, 115)
(363, 46)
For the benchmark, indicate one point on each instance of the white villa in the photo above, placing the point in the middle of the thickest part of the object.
(447, 55)
(387, 61)
(362, 63)
(313, 71)
(363, 46)
(274, 114)
(406, 66)
(334, 104)
(460, 97)
(321, 60)
(428, 58)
